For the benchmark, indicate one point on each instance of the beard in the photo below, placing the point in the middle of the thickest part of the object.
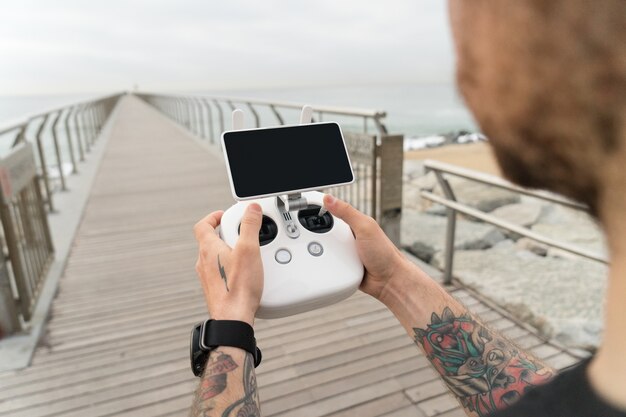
(532, 165)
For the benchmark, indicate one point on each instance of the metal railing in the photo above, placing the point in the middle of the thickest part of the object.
(376, 156)
(453, 207)
(63, 135)
(28, 180)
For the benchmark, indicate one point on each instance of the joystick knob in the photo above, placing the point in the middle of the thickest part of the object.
(311, 220)
(268, 231)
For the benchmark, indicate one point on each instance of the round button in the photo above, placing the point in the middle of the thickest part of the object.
(283, 256)
(315, 249)
(291, 228)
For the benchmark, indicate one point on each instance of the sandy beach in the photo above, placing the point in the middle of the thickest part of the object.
(478, 156)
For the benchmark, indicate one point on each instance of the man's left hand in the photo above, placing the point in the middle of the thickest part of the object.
(232, 279)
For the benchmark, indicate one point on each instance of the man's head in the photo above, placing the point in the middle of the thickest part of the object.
(546, 81)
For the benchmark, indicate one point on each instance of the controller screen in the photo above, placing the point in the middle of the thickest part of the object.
(286, 159)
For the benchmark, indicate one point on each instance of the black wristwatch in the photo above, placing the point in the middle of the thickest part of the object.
(210, 334)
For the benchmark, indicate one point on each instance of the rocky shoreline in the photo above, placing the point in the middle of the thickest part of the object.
(558, 293)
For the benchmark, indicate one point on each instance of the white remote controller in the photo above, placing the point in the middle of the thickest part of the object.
(308, 261)
(309, 257)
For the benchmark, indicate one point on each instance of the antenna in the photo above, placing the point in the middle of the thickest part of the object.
(237, 119)
(306, 115)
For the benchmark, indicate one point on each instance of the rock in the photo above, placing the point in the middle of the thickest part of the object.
(412, 168)
(562, 297)
(582, 333)
(424, 235)
(411, 198)
(480, 196)
(532, 246)
(426, 182)
(411, 192)
(436, 210)
(584, 235)
(570, 226)
(557, 214)
(520, 214)
(505, 244)
(422, 250)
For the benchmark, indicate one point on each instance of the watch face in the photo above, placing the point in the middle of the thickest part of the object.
(198, 358)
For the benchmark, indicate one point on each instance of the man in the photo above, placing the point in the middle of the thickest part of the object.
(546, 80)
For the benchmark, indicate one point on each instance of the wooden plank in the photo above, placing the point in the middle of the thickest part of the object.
(378, 407)
(438, 405)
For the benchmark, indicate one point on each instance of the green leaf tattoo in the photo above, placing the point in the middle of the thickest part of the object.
(222, 272)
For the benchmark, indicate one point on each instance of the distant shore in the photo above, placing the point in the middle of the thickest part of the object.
(478, 156)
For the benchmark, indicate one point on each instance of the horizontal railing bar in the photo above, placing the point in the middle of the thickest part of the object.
(84, 102)
(25, 120)
(346, 111)
(487, 218)
(487, 179)
(13, 127)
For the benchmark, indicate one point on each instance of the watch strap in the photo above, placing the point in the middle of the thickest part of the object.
(233, 333)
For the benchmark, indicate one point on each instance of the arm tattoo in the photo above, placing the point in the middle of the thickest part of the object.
(214, 380)
(248, 406)
(222, 272)
(483, 369)
(217, 395)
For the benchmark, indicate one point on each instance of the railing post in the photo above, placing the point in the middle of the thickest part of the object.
(17, 264)
(183, 112)
(179, 111)
(42, 162)
(68, 134)
(99, 115)
(190, 115)
(191, 109)
(450, 228)
(221, 118)
(171, 107)
(94, 123)
(210, 116)
(257, 119)
(391, 154)
(277, 114)
(9, 311)
(77, 128)
(200, 109)
(57, 150)
(84, 128)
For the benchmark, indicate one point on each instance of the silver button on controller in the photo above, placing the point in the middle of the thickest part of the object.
(283, 256)
(315, 249)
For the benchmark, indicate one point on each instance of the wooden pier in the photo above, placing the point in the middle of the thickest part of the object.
(117, 340)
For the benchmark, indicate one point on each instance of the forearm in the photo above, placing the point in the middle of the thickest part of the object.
(482, 368)
(228, 386)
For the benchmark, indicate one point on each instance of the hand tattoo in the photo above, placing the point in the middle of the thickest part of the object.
(484, 370)
(222, 272)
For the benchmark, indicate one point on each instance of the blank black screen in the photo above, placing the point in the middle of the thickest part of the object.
(280, 160)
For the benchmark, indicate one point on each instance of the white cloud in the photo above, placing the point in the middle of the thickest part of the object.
(76, 46)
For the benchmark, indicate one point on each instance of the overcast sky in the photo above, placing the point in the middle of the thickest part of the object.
(78, 46)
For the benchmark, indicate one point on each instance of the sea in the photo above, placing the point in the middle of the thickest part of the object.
(422, 112)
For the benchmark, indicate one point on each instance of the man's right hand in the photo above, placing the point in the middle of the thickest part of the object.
(383, 262)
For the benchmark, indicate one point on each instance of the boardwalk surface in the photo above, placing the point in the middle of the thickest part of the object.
(117, 341)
